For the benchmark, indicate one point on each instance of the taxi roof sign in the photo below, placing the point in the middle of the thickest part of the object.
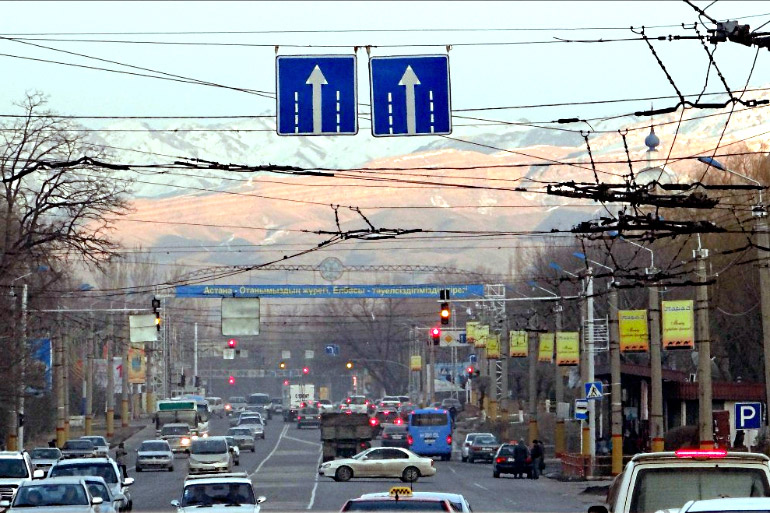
(400, 491)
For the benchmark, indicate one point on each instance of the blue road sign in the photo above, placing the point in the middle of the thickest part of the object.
(748, 415)
(332, 350)
(594, 390)
(463, 338)
(472, 358)
(581, 409)
(410, 95)
(316, 95)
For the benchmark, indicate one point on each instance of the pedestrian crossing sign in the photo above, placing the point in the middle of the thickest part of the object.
(594, 390)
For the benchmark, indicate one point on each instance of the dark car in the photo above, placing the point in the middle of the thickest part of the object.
(483, 447)
(381, 417)
(308, 416)
(451, 401)
(505, 463)
(395, 435)
(78, 449)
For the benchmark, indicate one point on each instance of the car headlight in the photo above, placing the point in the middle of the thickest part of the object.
(185, 441)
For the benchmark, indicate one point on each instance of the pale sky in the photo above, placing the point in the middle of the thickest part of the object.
(482, 76)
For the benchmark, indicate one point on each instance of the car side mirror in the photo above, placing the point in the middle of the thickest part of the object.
(128, 481)
(38, 474)
(598, 508)
(175, 503)
(261, 499)
(96, 500)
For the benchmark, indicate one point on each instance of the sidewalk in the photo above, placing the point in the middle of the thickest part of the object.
(99, 428)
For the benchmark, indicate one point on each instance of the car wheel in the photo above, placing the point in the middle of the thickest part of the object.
(464, 459)
(263, 436)
(448, 457)
(138, 468)
(343, 474)
(410, 475)
(253, 449)
(171, 468)
(470, 459)
(495, 474)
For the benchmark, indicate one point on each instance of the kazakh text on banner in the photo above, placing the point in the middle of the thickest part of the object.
(519, 344)
(678, 324)
(634, 335)
(567, 348)
(545, 354)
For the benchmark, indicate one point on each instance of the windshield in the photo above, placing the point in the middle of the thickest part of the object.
(96, 440)
(393, 505)
(259, 399)
(237, 399)
(429, 419)
(507, 450)
(240, 432)
(218, 493)
(99, 490)
(489, 440)
(175, 430)
(203, 411)
(104, 470)
(45, 454)
(357, 400)
(664, 488)
(208, 446)
(50, 495)
(78, 445)
(154, 446)
(13, 468)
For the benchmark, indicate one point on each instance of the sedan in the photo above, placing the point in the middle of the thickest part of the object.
(44, 457)
(101, 445)
(380, 462)
(483, 447)
(154, 454)
(395, 435)
(97, 487)
(65, 494)
(77, 449)
(465, 451)
(244, 438)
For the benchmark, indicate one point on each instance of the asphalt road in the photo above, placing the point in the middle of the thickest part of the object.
(284, 469)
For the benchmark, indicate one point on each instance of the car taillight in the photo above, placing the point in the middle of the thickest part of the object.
(348, 412)
(409, 439)
(373, 422)
(449, 439)
(475, 449)
(299, 417)
(301, 405)
(500, 460)
(701, 453)
(398, 421)
(385, 436)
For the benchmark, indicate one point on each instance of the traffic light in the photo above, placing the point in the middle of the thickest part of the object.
(157, 320)
(282, 365)
(349, 365)
(445, 313)
(469, 370)
(155, 306)
(231, 380)
(286, 382)
(435, 335)
(306, 370)
(232, 343)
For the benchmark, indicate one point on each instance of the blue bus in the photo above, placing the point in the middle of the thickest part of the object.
(430, 433)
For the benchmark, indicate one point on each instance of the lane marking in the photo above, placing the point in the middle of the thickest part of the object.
(315, 486)
(482, 487)
(452, 470)
(301, 440)
(277, 443)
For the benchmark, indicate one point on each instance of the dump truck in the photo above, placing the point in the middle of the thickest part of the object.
(344, 434)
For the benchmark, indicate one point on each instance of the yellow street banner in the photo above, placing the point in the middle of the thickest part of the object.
(519, 344)
(137, 368)
(471, 328)
(545, 354)
(482, 332)
(567, 348)
(493, 346)
(415, 362)
(678, 324)
(634, 335)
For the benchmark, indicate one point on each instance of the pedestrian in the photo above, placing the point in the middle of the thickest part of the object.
(453, 414)
(120, 457)
(520, 460)
(537, 458)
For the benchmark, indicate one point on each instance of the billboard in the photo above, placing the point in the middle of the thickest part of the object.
(519, 344)
(634, 335)
(40, 352)
(481, 336)
(137, 369)
(567, 348)
(545, 353)
(678, 324)
(493, 346)
(415, 362)
(470, 331)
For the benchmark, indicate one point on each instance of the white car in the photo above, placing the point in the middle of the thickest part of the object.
(105, 467)
(225, 493)
(15, 469)
(380, 462)
(358, 404)
(60, 494)
(97, 487)
(101, 445)
(325, 405)
(255, 423)
(458, 502)
(209, 455)
(727, 504)
(154, 454)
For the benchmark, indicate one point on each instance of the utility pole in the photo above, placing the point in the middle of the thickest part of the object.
(532, 388)
(66, 373)
(22, 367)
(616, 407)
(432, 369)
(58, 364)
(89, 376)
(124, 374)
(703, 342)
(763, 241)
(585, 449)
(110, 395)
(656, 371)
(195, 355)
(559, 434)
(591, 352)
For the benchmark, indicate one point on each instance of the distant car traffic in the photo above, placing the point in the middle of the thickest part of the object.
(380, 462)
(78, 448)
(234, 405)
(154, 454)
(308, 416)
(395, 435)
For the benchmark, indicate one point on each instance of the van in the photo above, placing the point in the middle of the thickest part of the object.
(210, 455)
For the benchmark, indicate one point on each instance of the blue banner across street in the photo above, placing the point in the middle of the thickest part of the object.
(330, 291)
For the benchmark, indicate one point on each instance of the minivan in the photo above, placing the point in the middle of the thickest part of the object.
(209, 455)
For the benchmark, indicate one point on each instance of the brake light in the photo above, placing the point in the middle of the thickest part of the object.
(409, 439)
(449, 439)
(301, 405)
(500, 460)
(385, 436)
(373, 422)
(398, 421)
(299, 417)
(348, 412)
(701, 453)
(386, 413)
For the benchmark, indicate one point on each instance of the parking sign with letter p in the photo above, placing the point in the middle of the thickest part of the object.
(748, 415)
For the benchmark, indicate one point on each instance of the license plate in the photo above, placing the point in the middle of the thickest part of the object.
(397, 437)
(429, 440)
(511, 460)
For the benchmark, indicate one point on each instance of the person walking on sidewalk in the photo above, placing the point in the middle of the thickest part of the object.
(537, 457)
(120, 457)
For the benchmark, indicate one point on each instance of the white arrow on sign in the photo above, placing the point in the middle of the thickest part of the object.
(316, 79)
(409, 80)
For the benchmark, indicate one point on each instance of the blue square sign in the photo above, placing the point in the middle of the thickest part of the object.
(410, 95)
(316, 95)
(748, 415)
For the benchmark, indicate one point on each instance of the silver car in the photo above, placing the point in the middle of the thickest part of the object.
(244, 438)
(104, 467)
(65, 494)
(154, 454)
(210, 455)
(97, 487)
(44, 457)
(101, 445)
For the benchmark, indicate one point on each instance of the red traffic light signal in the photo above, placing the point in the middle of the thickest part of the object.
(435, 334)
(232, 343)
(469, 370)
(445, 313)
(231, 380)
(286, 382)
(305, 370)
